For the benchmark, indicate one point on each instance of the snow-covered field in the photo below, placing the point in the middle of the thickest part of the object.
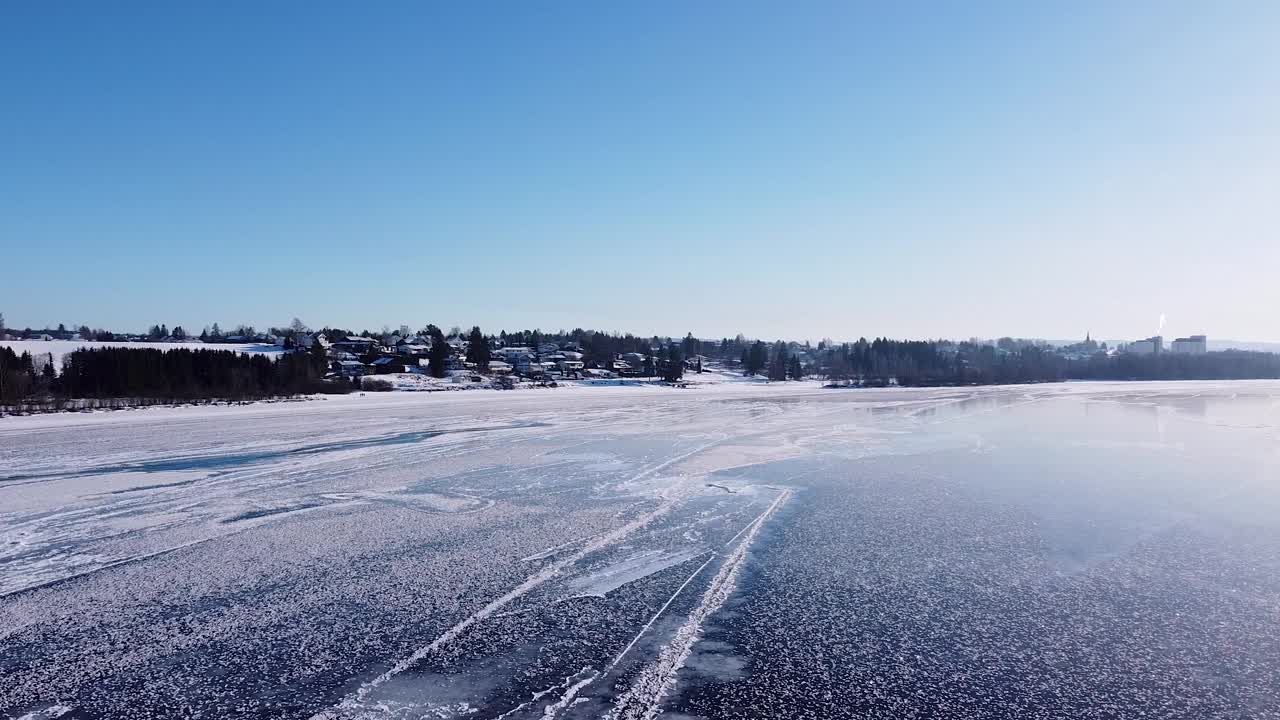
(58, 348)
(736, 550)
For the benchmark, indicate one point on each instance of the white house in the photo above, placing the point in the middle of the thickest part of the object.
(306, 341)
(416, 345)
(569, 362)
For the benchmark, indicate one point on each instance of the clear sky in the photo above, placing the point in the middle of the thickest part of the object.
(778, 169)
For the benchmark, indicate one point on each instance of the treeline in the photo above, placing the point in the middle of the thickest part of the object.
(966, 363)
(906, 362)
(156, 333)
(1226, 365)
(911, 362)
(23, 376)
(184, 374)
(179, 375)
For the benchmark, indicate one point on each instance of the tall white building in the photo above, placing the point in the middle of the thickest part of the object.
(1150, 346)
(1194, 345)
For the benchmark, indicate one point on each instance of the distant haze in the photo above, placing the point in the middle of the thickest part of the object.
(829, 170)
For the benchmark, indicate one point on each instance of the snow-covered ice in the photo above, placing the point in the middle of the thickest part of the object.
(734, 550)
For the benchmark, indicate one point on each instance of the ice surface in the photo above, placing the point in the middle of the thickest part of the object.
(735, 550)
(611, 577)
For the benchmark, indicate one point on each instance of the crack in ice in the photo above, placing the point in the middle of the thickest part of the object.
(643, 700)
(353, 701)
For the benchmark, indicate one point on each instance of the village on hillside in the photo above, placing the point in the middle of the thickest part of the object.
(65, 367)
(459, 362)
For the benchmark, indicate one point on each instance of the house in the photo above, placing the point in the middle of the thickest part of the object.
(529, 366)
(386, 365)
(511, 354)
(416, 345)
(306, 341)
(356, 345)
(520, 358)
(498, 367)
(570, 365)
(349, 368)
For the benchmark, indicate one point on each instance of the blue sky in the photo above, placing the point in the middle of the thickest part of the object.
(778, 169)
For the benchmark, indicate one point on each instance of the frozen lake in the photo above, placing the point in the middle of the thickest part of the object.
(1075, 550)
